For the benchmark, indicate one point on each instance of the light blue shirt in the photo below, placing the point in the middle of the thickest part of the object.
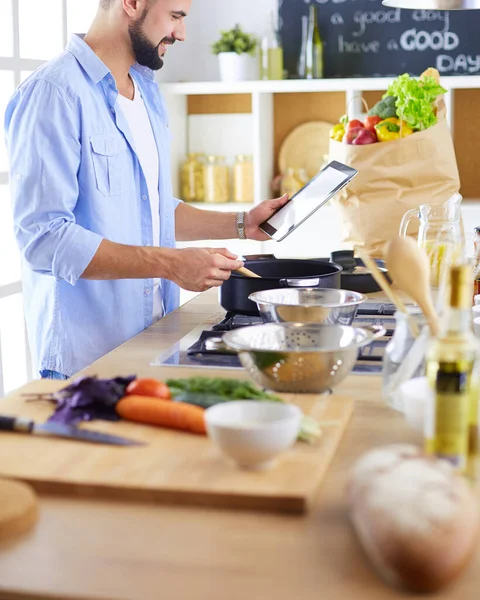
(75, 180)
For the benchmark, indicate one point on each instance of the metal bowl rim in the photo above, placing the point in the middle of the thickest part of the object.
(307, 350)
(362, 298)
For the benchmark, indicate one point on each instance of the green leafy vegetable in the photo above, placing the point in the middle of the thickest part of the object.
(385, 108)
(415, 100)
(208, 391)
(231, 389)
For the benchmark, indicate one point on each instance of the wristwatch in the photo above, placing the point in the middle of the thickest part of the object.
(240, 224)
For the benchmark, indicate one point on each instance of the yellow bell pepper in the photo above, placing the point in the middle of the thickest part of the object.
(392, 129)
(337, 132)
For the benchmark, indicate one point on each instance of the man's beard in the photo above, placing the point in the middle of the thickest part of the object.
(146, 54)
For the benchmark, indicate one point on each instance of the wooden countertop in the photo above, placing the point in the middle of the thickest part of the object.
(86, 549)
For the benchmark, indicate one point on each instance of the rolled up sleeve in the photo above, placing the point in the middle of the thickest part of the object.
(42, 132)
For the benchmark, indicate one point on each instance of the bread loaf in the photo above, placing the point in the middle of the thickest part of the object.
(416, 518)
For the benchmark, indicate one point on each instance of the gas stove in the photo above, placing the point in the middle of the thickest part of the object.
(197, 349)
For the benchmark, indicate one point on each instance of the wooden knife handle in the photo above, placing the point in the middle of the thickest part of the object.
(15, 424)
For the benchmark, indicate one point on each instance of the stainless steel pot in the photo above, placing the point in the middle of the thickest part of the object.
(308, 305)
(299, 357)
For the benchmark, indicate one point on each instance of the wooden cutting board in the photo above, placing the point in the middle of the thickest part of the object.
(173, 467)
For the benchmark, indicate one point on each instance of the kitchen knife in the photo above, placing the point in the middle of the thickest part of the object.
(60, 430)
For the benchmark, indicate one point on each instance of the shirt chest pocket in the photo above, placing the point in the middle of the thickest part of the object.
(110, 161)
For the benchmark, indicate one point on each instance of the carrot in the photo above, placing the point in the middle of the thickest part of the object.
(149, 387)
(153, 411)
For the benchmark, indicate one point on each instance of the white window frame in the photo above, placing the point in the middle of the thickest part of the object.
(16, 64)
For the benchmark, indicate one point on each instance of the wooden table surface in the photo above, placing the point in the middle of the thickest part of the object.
(86, 549)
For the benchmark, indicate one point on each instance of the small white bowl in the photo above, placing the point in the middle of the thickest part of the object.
(415, 395)
(252, 432)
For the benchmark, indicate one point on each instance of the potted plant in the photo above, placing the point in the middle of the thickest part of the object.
(236, 50)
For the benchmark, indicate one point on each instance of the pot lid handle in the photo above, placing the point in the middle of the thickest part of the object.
(300, 283)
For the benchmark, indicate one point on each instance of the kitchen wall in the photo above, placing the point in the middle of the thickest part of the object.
(192, 60)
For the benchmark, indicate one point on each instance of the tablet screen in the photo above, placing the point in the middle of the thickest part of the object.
(305, 202)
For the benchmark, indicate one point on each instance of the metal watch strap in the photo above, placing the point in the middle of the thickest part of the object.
(240, 224)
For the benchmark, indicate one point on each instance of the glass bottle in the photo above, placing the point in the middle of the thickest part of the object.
(301, 68)
(243, 179)
(271, 52)
(395, 353)
(216, 179)
(314, 50)
(476, 262)
(451, 428)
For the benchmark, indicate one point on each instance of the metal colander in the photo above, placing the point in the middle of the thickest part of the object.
(299, 357)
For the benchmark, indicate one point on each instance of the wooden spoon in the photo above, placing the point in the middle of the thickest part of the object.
(246, 272)
(410, 269)
(384, 284)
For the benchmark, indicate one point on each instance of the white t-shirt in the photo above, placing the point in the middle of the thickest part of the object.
(147, 153)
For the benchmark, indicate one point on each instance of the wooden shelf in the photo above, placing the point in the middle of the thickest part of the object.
(303, 85)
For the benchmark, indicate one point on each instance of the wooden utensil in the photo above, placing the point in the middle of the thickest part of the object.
(383, 283)
(246, 272)
(410, 268)
(18, 508)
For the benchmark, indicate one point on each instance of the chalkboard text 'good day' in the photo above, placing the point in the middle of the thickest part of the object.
(363, 38)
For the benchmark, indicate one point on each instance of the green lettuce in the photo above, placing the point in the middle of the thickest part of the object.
(415, 100)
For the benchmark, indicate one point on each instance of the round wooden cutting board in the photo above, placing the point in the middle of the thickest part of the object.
(306, 147)
(18, 508)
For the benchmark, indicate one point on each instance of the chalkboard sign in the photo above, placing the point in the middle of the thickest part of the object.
(363, 38)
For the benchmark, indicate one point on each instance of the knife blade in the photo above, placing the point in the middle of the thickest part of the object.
(59, 430)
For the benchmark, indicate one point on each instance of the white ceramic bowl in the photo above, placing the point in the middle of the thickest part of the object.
(252, 432)
(415, 394)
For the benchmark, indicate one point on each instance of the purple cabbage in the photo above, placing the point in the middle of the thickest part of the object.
(89, 398)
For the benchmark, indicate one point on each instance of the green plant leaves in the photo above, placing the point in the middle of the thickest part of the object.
(235, 40)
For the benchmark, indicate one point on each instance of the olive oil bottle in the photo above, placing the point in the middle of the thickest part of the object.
(451, 369)
(314, 47)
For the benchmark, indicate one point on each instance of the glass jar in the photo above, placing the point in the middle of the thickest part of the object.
(216, 180)
(243, 179)
(395, 352)
(191, 178)
(291, 182)
(187, 178)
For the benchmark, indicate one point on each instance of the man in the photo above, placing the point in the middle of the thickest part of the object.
(94, 213)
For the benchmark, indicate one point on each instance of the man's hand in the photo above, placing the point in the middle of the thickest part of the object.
(259, 214)
(198, 269)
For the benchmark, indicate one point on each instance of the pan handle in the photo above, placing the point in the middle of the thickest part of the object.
(300, 283)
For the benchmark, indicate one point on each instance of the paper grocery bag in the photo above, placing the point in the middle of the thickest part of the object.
(393, 177)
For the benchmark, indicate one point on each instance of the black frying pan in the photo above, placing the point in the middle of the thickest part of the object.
(275, 273)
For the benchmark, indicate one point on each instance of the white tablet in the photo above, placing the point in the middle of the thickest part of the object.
(309, 199)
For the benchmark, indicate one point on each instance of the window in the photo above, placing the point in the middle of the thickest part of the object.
(6, 28)
(40, 28)
(31, 32)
